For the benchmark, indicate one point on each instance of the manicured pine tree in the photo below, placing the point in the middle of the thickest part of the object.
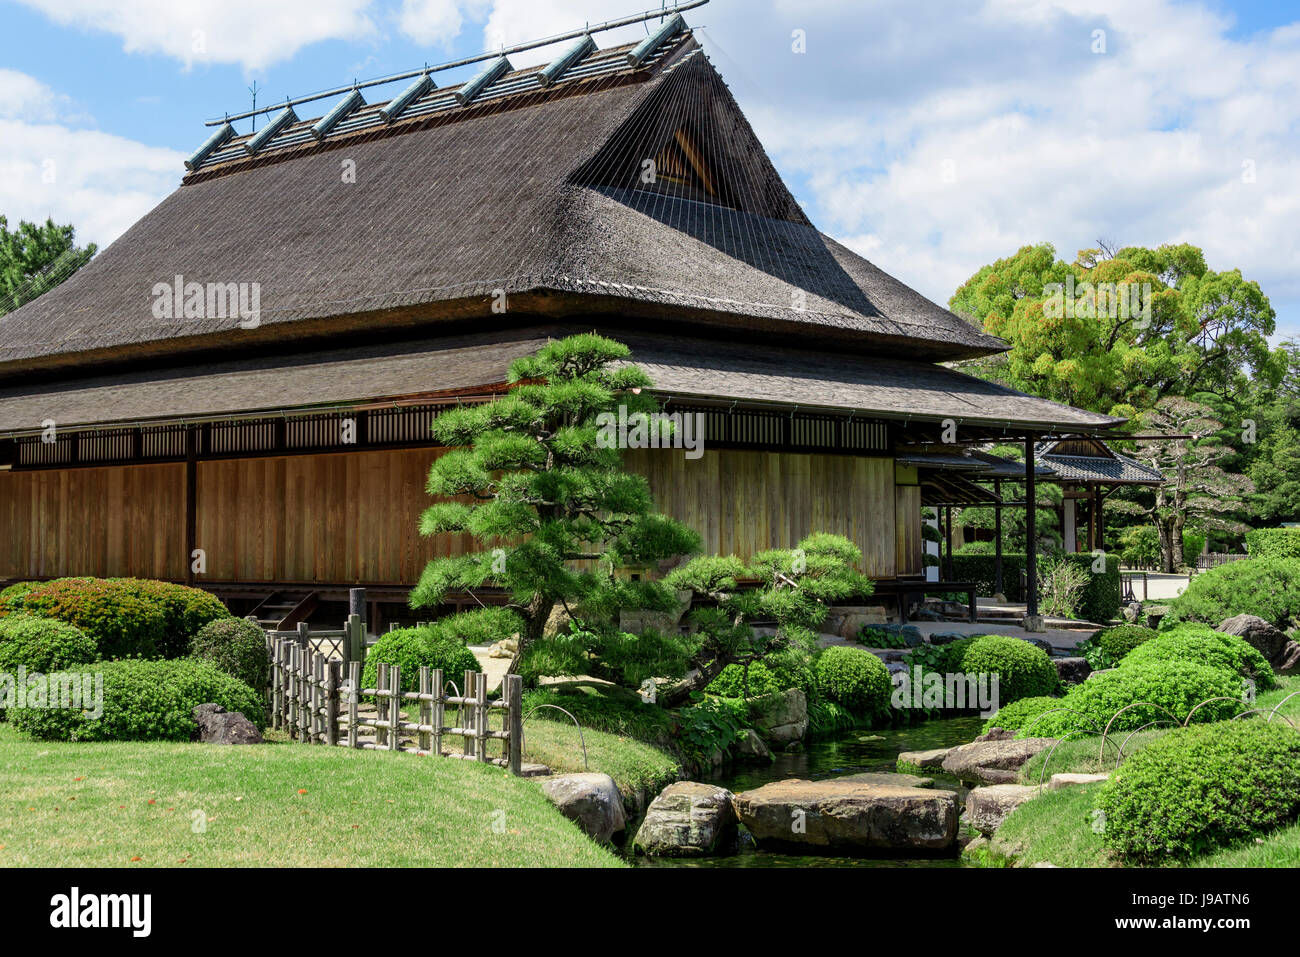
(554, 514)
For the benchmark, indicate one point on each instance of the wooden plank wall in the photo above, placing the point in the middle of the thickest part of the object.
(353, 516)
(106, 522)
(342, 517)
(742, 501)
(908, 524)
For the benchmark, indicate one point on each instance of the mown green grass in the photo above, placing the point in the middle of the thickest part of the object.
(174, 805)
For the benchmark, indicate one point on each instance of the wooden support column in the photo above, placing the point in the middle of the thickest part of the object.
(997, 539)
(191, 500)
(947, 520)
(1101, 525)
(1031, 529)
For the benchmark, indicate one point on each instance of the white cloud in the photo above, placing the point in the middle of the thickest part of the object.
(252, 33)
(96, 181)
(437, 22)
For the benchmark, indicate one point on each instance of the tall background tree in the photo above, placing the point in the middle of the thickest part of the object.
(36, 258)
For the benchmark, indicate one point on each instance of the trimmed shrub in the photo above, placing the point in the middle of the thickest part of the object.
(1024, 670)
(409, 648)
(1174, 686)
(1267, 587)
(730, 682)
(603, 707)
(11, 598)
(42, 644)
(145, 701)
(853, 678)
(1115, 643)
(1198, 788)
(1099, 601)
(237, 647)
(122, 623)
(1260, 543)
(1020, 714)
(186, 610)
(1201, 644)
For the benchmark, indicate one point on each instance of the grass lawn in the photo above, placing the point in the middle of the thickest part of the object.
(171, 805)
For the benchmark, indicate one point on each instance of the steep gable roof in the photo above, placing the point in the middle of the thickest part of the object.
(535, 193)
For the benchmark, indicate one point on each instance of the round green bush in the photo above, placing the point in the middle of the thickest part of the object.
(853, 678)
(1198, 788)
(11, 598)
(1023, 670)
(1174, 686)
(730, 681)
(237, 647)
(145, 701)
(186, 610)
(1115, 643)
(409, 648)
(1021, 714)
(42, 645)
(122, 623)
(1267, 587)
(1201, 644)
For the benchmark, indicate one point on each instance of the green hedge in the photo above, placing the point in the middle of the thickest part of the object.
(1273, 543)
(237, 647)
(145, 701)
(122, 623)
(1201, 787)
(1099, 602)
(186, 610)
(1175, 686)
(1021, 714)
(1267, 587)
(853, 678)
(410, 648)
(42, 645)
(1201, 644)
(1023, 670)
(1107, 648)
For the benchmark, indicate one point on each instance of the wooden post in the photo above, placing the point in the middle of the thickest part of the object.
(395, 707)
(514, 689)
(381, 733)
(467, 713)
(439, 712)
(291, 691)
(947, 519)
(1031, 531)
(356, 638)
(426, 708)
(332, 702)
(304, 634)
(277, 686)
(354, 678)
(997, 539)
(481, 716)
(304, 694)
(318, 672)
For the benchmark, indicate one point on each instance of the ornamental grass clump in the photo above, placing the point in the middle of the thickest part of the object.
(1202, 787)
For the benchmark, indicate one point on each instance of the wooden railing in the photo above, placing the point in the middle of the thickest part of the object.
(312, 700)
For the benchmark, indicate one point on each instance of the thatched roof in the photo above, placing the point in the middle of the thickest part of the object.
(533, 192)
(684, 371)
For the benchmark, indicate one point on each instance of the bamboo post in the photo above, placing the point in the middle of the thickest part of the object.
(332, 702)
(467, 714)
(438, 710)
(381, 732)
(481, 716)
(395, 707)
(304, 634)
(277, 691)
(426, 707)
(317, 697)
(304, 695)
(354, 697)
(514, 689)
(291, 691)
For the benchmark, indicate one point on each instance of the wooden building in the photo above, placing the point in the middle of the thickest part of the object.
(393, 258)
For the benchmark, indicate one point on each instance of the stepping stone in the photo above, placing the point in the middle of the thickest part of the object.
(1059, 781)
(988, 807)
(889, 778)
(931, 760)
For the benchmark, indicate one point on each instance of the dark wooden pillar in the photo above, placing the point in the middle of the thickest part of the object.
(997, 539)
(1031, 532)
(191, 500)
(1101, 525)
(947, 519)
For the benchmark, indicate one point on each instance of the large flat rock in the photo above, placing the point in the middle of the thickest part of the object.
(993, 762)
(851, 815)
(895, 779)
(931, 760)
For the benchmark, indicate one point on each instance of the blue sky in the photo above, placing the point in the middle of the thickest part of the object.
(931, 137)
